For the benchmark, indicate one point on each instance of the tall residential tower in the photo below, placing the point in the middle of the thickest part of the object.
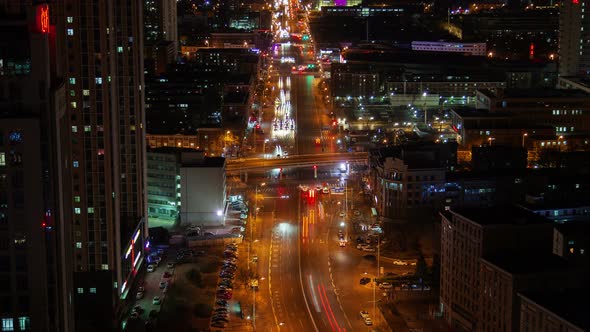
(574, 38)
(104, 154)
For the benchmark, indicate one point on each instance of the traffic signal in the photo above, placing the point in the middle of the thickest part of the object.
(305, 37)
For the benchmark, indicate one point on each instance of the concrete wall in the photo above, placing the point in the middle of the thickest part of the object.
(202, 193)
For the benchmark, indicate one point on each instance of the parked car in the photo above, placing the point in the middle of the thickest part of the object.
(139, 296)
(368, 321)
(357, 213)
(170, 265)
(369, 249)
(365, 281)
(156, 300)
(163, 284)
(398, 262)
(364, 314)
(151, 268)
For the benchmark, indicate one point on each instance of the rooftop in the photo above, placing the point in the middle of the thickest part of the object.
(207, 162)
(569, 304)
(574, 228)
(476, 113)
(509, 215)
(516, 263)
(536, 93)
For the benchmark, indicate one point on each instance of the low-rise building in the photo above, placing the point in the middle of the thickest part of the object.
(478, 49)
(503, 276)
(163, 181)
(467, 235)
(407, 178)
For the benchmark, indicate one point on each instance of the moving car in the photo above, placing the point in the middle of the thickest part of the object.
(386, 285)
(365, 280)
(368, 321)
(369, 249)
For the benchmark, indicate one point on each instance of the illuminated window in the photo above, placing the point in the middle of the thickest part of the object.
(77, 210)
(120, 49)
(86, 92)
(77, 199)
(76, 164)
(90, 210)
(70, 19)
(72, 80)
(72, 93)
(79, 245)
(87, 128)
(74, 104)
(80, 290)
(92, 290)
(70, 32)
(24, 323)
(105, 267)
(98, 80)
(74, 129)
(7, 324)
(2, 158)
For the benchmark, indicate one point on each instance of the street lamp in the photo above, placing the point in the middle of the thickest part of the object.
(523, 136)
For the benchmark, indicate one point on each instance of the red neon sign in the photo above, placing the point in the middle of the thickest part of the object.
(575, 2)
(42, 18)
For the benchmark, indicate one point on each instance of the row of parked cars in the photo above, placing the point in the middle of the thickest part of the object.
(220, 315)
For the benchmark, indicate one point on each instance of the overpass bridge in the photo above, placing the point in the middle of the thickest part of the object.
(294, 161)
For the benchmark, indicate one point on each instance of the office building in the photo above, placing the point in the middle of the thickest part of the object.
(163, 186)
(467, 235)
(104, 146)
(574, 44)
(32, 296)
(478, 49)
(409, 179)
(562, 310)
(503, 276)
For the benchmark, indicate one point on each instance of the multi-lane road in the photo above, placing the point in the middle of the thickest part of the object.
(307, 281)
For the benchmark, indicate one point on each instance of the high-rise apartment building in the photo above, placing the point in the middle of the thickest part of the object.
(574, 38)
(104, 155)
(161, 34)
(160, 21)
(31, 106)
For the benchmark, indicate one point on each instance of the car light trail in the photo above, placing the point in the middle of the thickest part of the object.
(325, 309)
(313, 295)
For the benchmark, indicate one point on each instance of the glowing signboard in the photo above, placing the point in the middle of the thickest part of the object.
(42, 18)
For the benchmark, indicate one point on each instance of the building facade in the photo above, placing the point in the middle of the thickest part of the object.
(163, 186)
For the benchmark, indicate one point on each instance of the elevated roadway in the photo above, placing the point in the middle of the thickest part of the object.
(302, 160)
